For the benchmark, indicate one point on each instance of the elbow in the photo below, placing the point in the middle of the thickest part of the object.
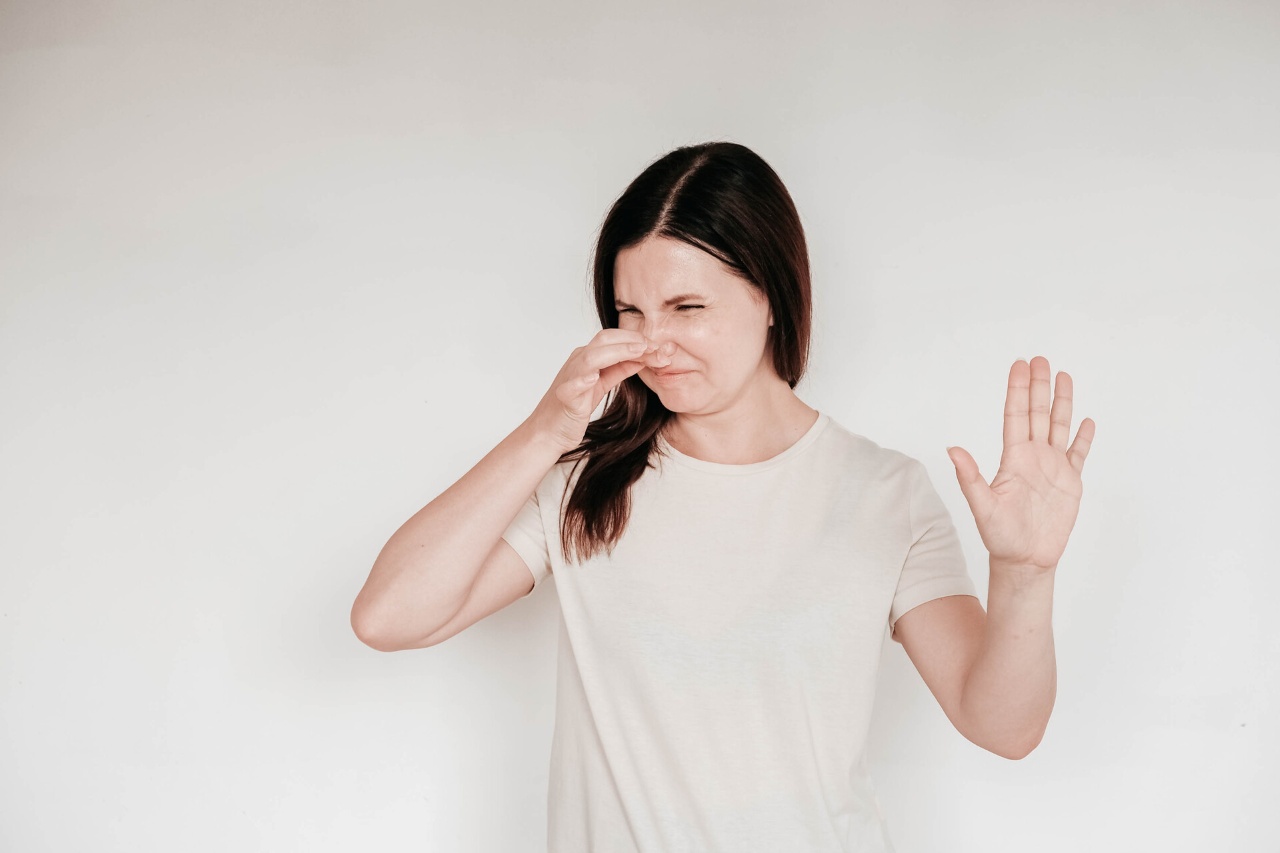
(368, 631)
(1014, 754)
(1016, 749)
(1007, 741)
(1011, 736)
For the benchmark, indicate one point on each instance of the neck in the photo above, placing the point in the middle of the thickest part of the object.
(746, 432)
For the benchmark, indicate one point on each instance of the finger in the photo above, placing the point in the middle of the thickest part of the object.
(661, 356)
(655, 355)
(972, 485)
(1039, 399)
(576, 393)
(1016, 404)
(617, 336)
(611, 376)
(1060, 426)
(1080, 447)
(600, 356)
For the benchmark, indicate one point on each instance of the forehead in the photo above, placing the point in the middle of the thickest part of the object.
(659, 267)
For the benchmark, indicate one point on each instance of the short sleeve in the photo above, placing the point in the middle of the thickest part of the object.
(934, 566)
(527, 536)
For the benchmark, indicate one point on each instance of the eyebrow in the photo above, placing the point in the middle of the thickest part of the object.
(684, 297)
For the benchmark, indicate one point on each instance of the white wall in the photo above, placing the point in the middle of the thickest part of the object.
(273, 275)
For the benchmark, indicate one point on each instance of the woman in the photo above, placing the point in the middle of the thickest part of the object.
(729, 559)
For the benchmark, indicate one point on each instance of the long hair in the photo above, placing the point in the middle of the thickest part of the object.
(722, 198)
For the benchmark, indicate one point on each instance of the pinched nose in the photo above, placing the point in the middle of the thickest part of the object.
(661, 357)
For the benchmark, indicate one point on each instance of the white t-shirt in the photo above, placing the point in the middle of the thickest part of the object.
(716, 673)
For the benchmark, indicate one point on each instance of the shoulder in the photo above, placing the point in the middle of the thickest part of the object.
(857, 454)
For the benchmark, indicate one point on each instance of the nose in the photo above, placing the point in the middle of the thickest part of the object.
(654, 329)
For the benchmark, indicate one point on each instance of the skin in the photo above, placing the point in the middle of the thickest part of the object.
(992, 671)
(447, 567)
(731, 406)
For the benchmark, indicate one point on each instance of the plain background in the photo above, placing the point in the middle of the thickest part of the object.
(275, 274)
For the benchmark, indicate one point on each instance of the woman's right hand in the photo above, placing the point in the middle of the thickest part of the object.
(591, 372)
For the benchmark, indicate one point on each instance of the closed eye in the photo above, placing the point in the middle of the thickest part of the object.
(678, 308)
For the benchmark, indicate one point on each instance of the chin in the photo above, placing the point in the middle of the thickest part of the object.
(663, 394)
(680, 402)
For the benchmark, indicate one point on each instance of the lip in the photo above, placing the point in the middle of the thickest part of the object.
(670, 375)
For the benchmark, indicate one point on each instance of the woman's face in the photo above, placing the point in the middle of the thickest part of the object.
(672, 291)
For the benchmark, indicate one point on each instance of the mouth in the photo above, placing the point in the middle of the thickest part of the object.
(670, 375)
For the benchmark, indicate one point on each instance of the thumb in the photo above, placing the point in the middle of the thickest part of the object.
(972, 486)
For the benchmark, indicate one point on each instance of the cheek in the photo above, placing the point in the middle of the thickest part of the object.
(699, 341)
(720, 348)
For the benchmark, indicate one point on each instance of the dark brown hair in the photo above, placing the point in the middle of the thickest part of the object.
(724, 199)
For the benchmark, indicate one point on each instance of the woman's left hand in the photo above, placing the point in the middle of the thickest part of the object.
(1026, 514)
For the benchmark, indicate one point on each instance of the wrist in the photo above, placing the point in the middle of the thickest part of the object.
(538, 441)
(1019, 576)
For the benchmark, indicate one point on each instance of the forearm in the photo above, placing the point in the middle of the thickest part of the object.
(423, 573)
(1010, 690)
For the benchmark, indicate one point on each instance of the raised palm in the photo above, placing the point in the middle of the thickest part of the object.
(1027, 512)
